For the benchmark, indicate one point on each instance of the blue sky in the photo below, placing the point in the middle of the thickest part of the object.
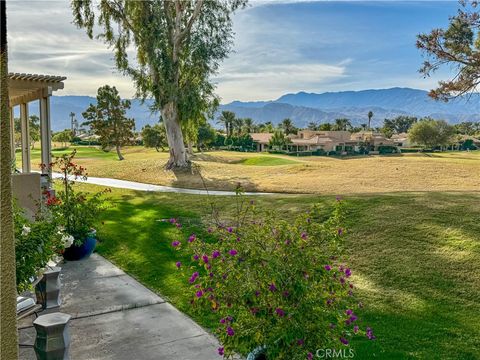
(280, 47)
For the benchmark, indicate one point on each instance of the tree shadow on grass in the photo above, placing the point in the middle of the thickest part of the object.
(194, 178)
(419, 272)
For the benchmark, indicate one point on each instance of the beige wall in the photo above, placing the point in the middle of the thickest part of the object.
(27, 191)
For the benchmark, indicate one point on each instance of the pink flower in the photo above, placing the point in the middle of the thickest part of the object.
(192, 238)
(233, 252)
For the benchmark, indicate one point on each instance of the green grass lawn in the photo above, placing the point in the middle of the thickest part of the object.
(267, 161)
(415, 259)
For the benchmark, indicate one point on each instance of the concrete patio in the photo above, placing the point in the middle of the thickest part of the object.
(115, 317)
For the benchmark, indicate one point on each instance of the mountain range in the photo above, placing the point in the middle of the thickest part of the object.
(302, 108)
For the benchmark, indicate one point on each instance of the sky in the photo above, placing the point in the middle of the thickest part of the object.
(280, 47)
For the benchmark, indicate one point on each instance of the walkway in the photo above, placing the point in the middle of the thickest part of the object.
(132, 185)
(114, 317)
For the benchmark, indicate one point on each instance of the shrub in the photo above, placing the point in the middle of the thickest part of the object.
(387, 149)
(75, 210)
(273, 283)
(36, 243)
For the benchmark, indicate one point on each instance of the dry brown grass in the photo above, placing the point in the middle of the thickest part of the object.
(449, 171)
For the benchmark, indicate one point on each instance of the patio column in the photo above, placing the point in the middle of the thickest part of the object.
(12, 132)
(46, 132)
(25, 129)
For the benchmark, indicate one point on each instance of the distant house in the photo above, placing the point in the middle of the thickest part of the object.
(339, 141)
(401, 140)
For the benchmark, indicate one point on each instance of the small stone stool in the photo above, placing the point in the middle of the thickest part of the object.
(47, 289)
(53, 340)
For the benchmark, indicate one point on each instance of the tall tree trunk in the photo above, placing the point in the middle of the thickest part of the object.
(119, 154)
(178, 155)
(8, 307)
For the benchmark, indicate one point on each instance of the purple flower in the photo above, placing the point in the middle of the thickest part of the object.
(199, 293)
(329, 301)
(233, 252)
(221, 351)
(230, 331)
(173, 221)
(223, 321)
(229, 318)
(210, 230)
(349, 312)
(280, 312)
(348, 272)
(230, 229)
(309, 356)
(369, 334)
(205, 259)
(178, 225)
(340, 231)
(287, 242)
(286, 293)
(193, 277)
(272, 287)
(175, 243)
(178, 264)
(257, 293)
(328, 267)
(215, 254)
(300, 342)
(355, 329)
(192, 238)
(304, 235)
(342, 280)
(196, 257)
(338, 198)
(210, 274)
(344, 341)
(353, 318)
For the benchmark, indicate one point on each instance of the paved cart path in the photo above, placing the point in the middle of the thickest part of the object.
(133, 185)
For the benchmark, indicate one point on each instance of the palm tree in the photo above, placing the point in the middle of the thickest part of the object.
(287, 126)
(8, 308)
(237, 126)
(227, 118)
(278, 140)
(370, 115)
(312, 126)
(342, 125)
(248, 124)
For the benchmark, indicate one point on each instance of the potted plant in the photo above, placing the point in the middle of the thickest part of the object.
(77, 211)
(279, 288)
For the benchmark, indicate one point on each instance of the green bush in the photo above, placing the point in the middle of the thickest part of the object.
(387, 149)
(36, 243)
(274, 283)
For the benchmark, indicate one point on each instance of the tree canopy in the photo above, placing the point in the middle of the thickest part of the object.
(154, 136)
(178, 44)
(431, 133)
(108, 119)
(457, 47)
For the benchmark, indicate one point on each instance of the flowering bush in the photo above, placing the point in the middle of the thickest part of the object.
(76, 211)
(278, 285)
(36, 243)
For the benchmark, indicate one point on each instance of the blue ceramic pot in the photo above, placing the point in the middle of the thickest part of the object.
(83, 251)
(257, 354)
